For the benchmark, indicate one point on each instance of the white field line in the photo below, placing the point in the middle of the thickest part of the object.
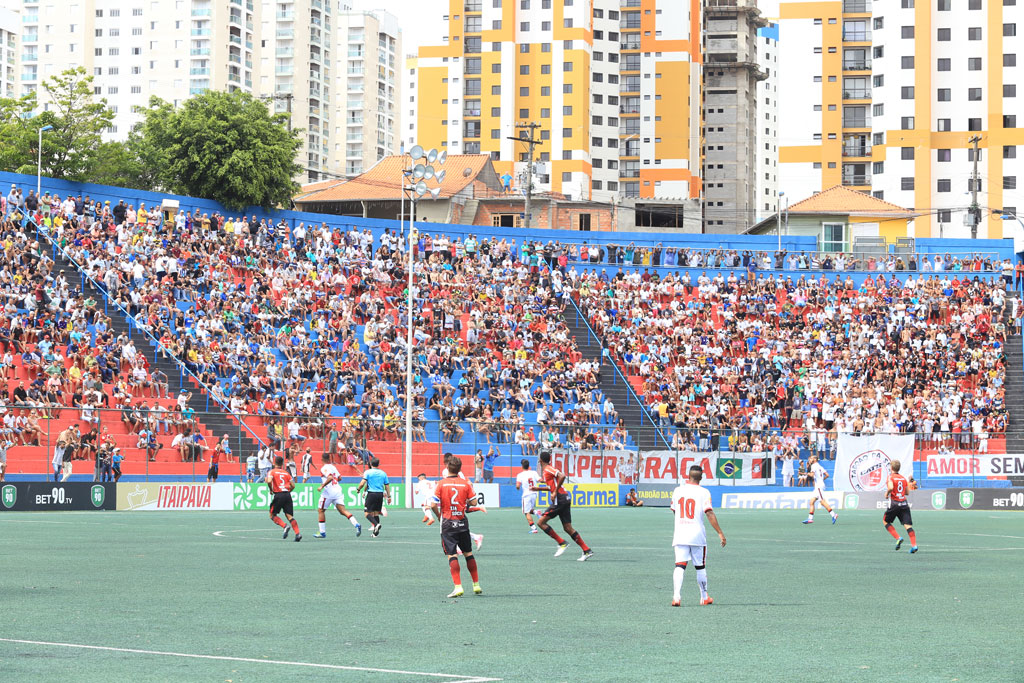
(452, 678)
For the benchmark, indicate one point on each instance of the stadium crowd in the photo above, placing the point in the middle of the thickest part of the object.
(304, 328)
(738, 355)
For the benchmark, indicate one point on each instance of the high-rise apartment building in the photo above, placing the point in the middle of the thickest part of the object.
(766, 123)
(298, 54)
(367, 125)
(171, 48)
(614, 86)
(885, 97)
(10, 31)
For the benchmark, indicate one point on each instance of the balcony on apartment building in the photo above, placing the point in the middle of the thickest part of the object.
(856, 6)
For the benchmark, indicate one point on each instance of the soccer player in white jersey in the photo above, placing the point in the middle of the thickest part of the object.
(691, 504)
(526, 481)
(820, 475)
(424, 490)
(331, 494)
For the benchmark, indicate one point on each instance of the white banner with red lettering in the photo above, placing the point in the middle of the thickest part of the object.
(862, 462)
(597, 467)
(967, 465)
(721, 468)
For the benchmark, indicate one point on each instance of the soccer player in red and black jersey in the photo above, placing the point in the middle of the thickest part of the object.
(452, 499)
(896, 492)
(281, 484)
(560, 506)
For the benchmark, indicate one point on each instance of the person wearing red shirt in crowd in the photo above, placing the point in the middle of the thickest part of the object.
(281, 485)
(560, 506)
(452, 499)
(896, 491)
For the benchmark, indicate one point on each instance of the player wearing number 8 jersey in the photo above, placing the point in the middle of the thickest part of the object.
(691, 504)
(896, 491)
(452, 499)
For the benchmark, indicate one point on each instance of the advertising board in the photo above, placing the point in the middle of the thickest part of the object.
(173, 496)
(966, 465)
(778, 500)
(985, 499)
(587, 495)
(42, 496)
(245, 496)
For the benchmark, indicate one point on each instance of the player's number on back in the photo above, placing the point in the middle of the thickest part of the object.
(687, 508)
(899, 488)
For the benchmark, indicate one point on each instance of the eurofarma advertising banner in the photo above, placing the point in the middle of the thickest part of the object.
(862, 462)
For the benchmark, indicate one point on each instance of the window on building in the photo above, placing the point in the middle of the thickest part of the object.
(974, 33)
(907, 122)
(1009, 90)
(944, 155)
(944, 94)
(906, 31)
(907, 62)
(974, 94)
(944, 64)
(906, 153)
(944, 125)
(974, 63)
(1009, 30)
(944, 185)
(907, 92)
(1010, 121)
(907, 183)
(973, 124)
(944, 35)
(1009, 151)
(1009, 182)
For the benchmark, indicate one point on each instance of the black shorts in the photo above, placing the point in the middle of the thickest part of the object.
(212, 472)
(282, 502)
(374, 501)
(455, 536)
(901, 512)
(561, 508)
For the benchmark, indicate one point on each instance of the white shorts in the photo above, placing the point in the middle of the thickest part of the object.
(691, 553)
(819, 495)
(328, 500)
(529, 504)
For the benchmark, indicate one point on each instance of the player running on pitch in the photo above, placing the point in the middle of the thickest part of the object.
(526, 481)
(820, 475)
(691, 504)
(424, 490)
(896, 491)
(281, 484)
(561, 507)
(331, 494)
(452, 499)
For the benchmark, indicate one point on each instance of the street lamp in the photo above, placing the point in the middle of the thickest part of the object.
(39, 163)
(778, 221)
(1018, 241)
(414, 183)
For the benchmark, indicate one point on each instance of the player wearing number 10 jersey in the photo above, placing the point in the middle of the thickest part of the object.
(691, 503)
(452, 499)
(896, 492)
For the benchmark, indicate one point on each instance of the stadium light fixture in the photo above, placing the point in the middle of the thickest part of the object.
(39, 162)
(414, 184)
(1018, 240)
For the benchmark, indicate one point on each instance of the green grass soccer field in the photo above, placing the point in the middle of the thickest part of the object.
(219, 596)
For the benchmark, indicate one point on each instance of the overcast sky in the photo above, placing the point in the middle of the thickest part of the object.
(420, 20)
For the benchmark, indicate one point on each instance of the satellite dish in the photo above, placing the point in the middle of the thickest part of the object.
(431, 156)
(416, 153)
(442, 157)
(429, 173)
(421, 188)
(434, 192)
(440, 176)
(419, 171)
(466, 172)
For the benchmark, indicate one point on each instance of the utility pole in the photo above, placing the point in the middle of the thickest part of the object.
(529, 166)
(287, 97)
(975, 209)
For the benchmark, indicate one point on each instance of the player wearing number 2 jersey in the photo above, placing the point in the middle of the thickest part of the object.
(452, 499)
(691, 504)
(896, 492)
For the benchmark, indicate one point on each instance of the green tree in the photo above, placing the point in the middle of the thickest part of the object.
(223, 146)
(70, 149)
(18, 133)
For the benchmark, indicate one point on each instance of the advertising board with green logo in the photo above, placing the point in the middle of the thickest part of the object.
(56, 496)
(246, 496)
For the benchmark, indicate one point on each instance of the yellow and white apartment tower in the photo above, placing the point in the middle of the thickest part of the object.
(885, 96)
(613, 84)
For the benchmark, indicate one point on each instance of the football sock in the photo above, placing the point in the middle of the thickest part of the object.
(702, 582)
(352, 520)
(677, 579)
(579, 541)
(892, 531)
(295, 526)
(453, 565)
(471, 566)
(558, 539)
(278, 521)
(323, 527)
(913, 537)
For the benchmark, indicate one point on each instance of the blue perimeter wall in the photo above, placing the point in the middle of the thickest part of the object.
(1003, 247)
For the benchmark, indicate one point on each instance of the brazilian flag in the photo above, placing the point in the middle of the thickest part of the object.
(729, 468)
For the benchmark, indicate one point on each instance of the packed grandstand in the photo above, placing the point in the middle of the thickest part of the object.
(295, 327)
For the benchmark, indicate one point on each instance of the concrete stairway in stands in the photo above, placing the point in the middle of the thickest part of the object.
(1015, 400)
(212, 417)
(613, 384)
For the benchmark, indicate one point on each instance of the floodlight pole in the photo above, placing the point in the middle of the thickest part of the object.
(408, 361)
